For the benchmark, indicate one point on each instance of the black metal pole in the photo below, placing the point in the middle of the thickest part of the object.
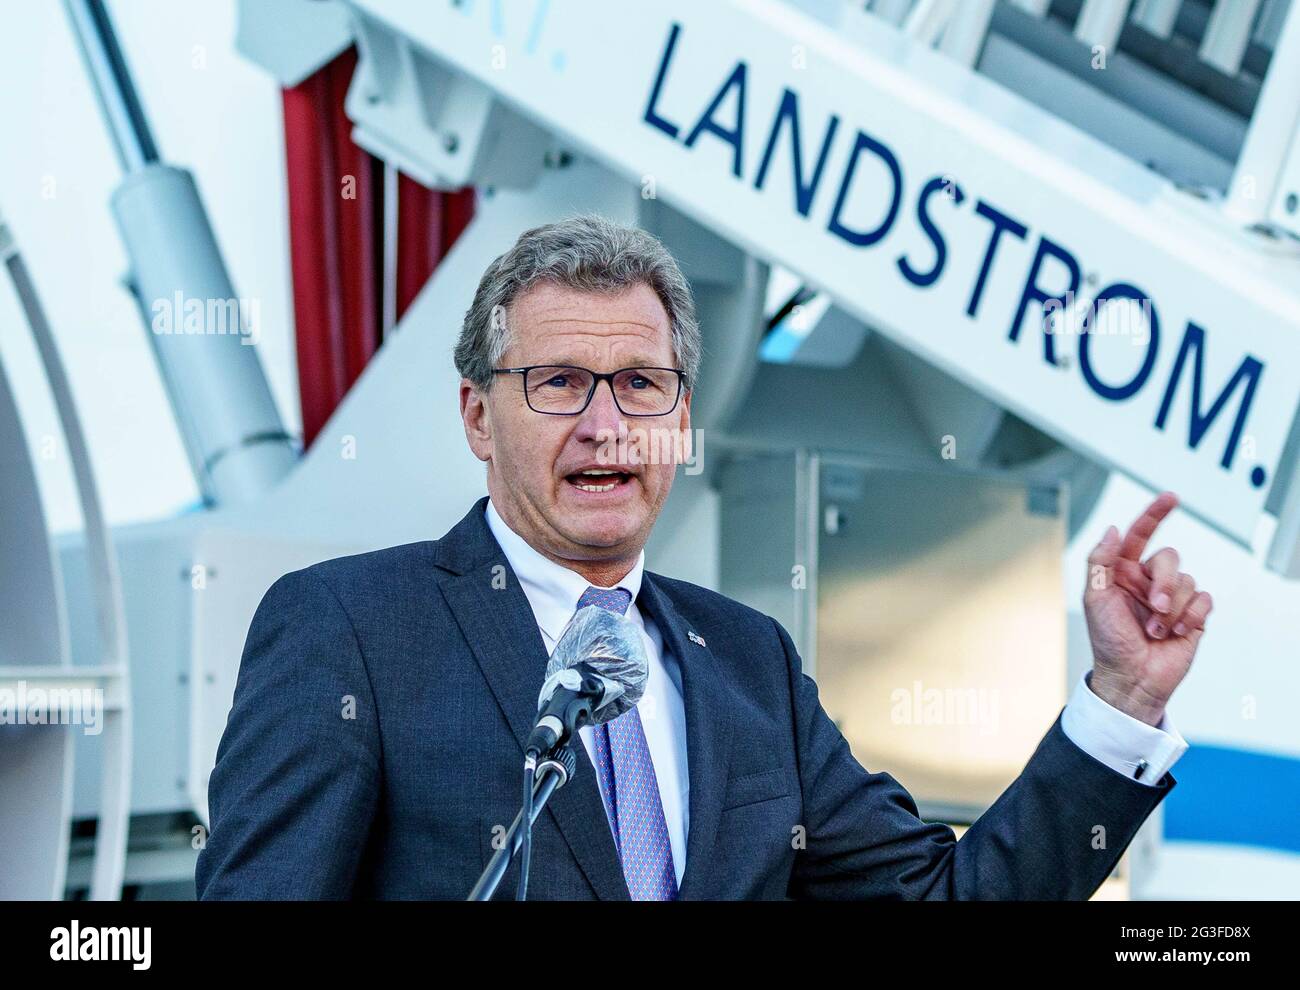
(552, 774)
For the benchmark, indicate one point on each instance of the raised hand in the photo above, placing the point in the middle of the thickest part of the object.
(1145, 618)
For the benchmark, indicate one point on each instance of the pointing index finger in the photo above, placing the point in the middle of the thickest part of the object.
(1135, 540)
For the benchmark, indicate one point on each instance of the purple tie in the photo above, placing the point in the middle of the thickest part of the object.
(631, 791)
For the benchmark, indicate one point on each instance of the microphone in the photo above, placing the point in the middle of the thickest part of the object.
(596, 673)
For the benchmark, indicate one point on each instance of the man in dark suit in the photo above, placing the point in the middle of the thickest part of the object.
(375, 744)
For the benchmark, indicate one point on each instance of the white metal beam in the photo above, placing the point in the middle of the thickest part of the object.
(1274, 131)
(1157, 16)
(928, 19)
(1100, 23)
(964, 36)
(695, 113)
(1228, 34)
(893, 11)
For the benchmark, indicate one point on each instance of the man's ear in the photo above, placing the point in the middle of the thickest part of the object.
(684, 430)
(477, 419)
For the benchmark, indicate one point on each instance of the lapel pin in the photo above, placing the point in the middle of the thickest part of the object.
(697, 640)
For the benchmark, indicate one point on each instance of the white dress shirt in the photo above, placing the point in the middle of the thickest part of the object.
(1119, 741)
(553, 592)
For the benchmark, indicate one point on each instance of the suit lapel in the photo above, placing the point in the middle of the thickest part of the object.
(494, 615)
(709, 730)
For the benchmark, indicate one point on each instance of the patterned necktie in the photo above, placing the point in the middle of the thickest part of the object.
(630, 789)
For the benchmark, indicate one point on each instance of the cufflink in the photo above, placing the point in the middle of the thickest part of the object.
(1142, 767)
(697, 640)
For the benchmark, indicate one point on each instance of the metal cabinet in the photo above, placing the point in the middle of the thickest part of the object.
(928, 604)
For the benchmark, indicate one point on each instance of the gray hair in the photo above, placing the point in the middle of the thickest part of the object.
(588, 253)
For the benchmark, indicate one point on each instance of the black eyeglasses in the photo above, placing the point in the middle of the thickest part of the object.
(566, 390)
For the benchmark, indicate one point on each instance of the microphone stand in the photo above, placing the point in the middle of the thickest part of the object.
(552, 773)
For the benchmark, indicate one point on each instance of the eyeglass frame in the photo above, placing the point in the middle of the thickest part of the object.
(596, 379)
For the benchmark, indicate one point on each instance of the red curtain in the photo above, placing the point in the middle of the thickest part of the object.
(336, 235)
(428, 224)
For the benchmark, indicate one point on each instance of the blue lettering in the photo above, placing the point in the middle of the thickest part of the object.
(651, 116)
(803, 194)
(1249, 370)
(1032, 292)
(1117, 393)
(926, 279)
(1001, 222)
(733, 136)
(858, 238)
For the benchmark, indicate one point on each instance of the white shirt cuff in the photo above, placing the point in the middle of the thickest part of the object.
(1125, 744)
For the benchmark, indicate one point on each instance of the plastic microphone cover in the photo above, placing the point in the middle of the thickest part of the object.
(611, 646)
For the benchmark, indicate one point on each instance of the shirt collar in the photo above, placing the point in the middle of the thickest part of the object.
(551, 589)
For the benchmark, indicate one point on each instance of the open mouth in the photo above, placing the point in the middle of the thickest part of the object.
(598, 480)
